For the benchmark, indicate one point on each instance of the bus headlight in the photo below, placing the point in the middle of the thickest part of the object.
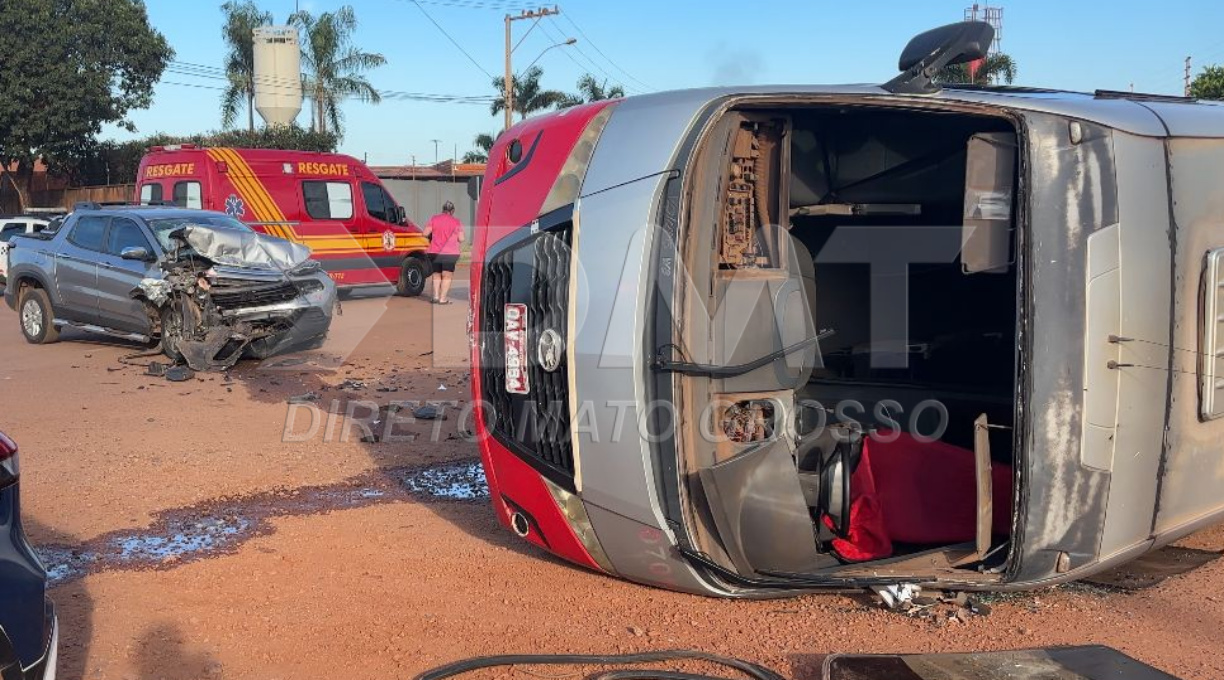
(575, 512)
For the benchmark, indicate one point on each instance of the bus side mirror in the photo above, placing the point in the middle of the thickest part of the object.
(401, 215)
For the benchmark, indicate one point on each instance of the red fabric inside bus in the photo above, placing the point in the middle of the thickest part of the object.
(910, 491)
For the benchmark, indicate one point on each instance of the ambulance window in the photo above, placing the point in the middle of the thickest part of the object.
(150, 194)
(187, 195)
(376, 203)
(328, 200)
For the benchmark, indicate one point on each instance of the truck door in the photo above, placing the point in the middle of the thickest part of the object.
(76, 269)
(381, 214)
(117, 277)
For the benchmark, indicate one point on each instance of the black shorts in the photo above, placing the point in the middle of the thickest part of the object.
(444, 263)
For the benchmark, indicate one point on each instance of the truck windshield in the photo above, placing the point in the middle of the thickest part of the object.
(162, 228)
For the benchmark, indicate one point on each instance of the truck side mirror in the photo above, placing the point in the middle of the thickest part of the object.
(134, 253)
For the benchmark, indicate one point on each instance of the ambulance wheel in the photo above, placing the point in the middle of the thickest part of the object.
(413, 274)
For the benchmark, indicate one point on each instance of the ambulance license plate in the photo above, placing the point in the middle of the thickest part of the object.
(515, 338)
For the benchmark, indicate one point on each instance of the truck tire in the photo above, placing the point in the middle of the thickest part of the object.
(413, 274)
(171, 331)
(37, 317)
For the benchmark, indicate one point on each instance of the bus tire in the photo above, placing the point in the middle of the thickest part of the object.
(413, 274)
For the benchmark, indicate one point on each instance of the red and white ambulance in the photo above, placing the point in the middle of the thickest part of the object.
(329, 202)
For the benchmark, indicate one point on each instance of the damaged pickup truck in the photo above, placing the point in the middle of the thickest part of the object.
(204, 285)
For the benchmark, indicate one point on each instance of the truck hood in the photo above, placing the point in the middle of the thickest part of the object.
(243, 249)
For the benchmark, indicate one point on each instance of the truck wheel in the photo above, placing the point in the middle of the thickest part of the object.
(37, 317)
(413, 275)
(171, 331)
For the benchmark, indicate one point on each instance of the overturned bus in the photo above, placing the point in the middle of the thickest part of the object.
(748, 341)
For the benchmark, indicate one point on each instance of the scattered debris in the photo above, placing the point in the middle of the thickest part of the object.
(352, 384)
(304, 398)
(179, 374)
(428, 412)
(442, 387)
(156, 369)
(218, 527)
(897, 595)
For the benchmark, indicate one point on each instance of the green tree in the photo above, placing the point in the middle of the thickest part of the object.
(484, 144)
(1209, 84)
(333, 66)
(529, 96)
(241, 20)
(68, 69)
(112, 162)
(591, 90)
(997, 69)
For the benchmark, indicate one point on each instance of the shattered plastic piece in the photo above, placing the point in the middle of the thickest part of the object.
(428, 412)
(156, 369)
(304, 398)
(156, 290)
(442, 387)
(179, 374)
(898, 594)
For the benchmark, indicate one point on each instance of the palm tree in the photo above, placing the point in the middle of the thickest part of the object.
(332, 66)
(995, 69)
(484, 144)
(241, 20)
(528, 95)
(591, 90)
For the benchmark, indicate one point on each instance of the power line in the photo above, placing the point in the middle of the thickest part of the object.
(596, 66)
(395, 95)
(216, 73)
(595, 47)
(451, 39)
(492, 5)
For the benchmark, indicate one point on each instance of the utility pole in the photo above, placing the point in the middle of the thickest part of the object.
(1187, 92)
(508, 95)
(435, 141)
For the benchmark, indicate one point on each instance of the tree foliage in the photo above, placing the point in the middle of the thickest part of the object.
(69, 67)
(997, 69)
(1209, 84)
(332, 65)
(592, 90)
(484, 144)
(241, 20)
(116, 162)
(529, 95)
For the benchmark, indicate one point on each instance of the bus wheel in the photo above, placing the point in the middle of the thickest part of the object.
(413, 275)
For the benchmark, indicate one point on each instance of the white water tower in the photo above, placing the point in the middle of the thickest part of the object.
(278, 74)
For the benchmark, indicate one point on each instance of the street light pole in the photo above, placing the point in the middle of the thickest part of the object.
(508, 95)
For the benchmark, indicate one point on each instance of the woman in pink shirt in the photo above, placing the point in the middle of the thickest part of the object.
(445, 238)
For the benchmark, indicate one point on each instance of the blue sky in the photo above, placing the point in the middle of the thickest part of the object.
(675, 44)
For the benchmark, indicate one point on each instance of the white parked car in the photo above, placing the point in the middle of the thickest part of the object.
(11, 226)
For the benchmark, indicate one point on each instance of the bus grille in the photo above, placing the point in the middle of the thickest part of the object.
(536, 425)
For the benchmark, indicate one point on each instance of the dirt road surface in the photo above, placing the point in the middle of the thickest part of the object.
(193, 534)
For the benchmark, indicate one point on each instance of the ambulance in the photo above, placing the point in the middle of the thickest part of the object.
(329, 202)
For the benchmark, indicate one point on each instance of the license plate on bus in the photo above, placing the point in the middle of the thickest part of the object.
(515, 338)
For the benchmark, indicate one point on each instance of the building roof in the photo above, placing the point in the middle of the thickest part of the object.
(438, 171)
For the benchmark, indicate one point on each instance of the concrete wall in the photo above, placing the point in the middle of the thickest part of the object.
(424, 198)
